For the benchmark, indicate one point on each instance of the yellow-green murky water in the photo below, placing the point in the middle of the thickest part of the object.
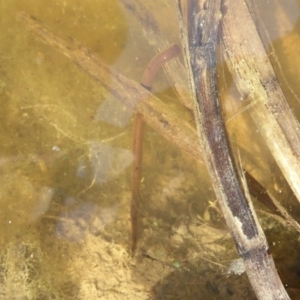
(65, 165)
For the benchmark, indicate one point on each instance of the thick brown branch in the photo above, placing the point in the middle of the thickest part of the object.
(230, 187)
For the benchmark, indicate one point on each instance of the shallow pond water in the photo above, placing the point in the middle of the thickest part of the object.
(65, 165)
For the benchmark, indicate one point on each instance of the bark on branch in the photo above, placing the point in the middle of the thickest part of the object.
(255, 77)
(200, 36)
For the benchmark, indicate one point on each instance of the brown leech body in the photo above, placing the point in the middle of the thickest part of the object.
(147, 80)
(155, 64)
(136, 176)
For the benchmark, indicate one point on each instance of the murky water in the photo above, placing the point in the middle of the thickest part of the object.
(65, 165)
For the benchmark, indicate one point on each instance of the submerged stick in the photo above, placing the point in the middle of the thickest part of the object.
(131, 93)
(255, 78)
(230, 186)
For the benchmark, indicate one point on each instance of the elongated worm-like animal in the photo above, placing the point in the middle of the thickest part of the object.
(156, 63)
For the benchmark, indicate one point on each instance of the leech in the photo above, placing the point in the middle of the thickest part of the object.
(147, 80)
(136, 176)
(156, 63)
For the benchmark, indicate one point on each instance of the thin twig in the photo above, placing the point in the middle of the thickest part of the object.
(131, 93)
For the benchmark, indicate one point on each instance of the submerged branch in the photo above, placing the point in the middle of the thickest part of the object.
(229, 184)
(174, 69)
(131, 93)
(255, 78)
